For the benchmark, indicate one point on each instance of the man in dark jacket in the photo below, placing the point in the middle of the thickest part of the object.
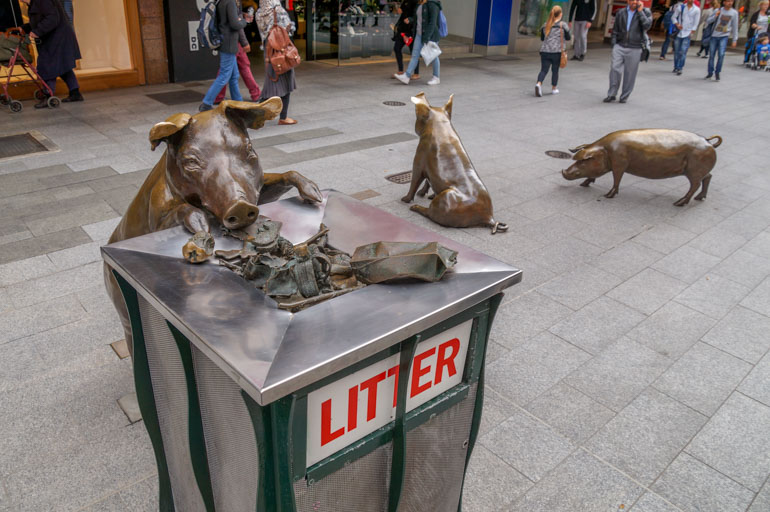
(581, 13)
(57, 47)
(230, 24)
(628, 36)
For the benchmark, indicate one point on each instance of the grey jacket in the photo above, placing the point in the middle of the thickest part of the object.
(231, 24)
(635, 35)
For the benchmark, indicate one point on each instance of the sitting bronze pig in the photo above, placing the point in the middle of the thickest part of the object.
(208, 175)
(648, 153)
(461, 199)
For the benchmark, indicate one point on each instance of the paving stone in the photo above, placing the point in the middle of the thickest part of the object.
(40, 317)
(762, 500)
(532, 368)
(757, 384)
(671, 330)
(736, 441)
(55, 285)
(701, 218)
(18, 363)
(43, 244)
(686, 264)
(142, 497)
(76, 256)
(742, 333)
(692, 485)
(495, 351)
(46, 223)
(112, 503)
(550, 229)
(647, 291)
(580, 483)
(646, 436)
(597, 325)
(71, 178)
(570, 412)
(664, 238)
(101, 231)
(525, 317)
(744, 224)
(713, 295)
(564, 255)
(616, 376)
(745, 268)
(651, 502)
(718, 242)
(627, 259)
(529, 446)
(759, 245)
(496, 410)
(579, 286)
(490, 483)
(759, 299)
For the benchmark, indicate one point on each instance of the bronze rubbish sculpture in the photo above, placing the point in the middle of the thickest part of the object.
(648, 153)
(461, 199)
(209, 174)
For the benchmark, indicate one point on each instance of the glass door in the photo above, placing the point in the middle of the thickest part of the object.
(323, 29)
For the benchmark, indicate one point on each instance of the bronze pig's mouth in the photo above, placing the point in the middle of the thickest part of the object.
(569, 175)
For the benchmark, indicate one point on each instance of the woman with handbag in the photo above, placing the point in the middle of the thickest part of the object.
(552, 52)
(426, 22)
(269, 13)
(403, 35)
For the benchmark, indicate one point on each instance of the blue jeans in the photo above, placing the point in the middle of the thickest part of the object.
(228, 75)
(681, 45)
(664, 48)
(717, 44)
(416, 59)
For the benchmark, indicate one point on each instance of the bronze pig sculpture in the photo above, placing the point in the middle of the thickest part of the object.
(208, 175)
(648, 153)
(461, 199)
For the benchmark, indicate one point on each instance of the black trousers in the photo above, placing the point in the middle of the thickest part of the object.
(285, 109)
(398, 47)
(549, 60)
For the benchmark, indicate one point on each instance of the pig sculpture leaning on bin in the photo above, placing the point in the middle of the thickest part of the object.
(461, 199)
(208, 175)
(648, 153)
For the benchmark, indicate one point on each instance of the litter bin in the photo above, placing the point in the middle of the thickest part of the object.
(252, 408)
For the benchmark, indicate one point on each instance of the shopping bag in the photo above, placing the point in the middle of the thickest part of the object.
(430, 52)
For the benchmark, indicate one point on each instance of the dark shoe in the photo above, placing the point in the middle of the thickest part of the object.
(581, 58)
(204, 107)
(609, 99)
(707, 77)
(623, 100)
(42, 103)
(575, 57)
(716, 77)
(678, 72)
(661, 58)
(73, 96)
(674, 70)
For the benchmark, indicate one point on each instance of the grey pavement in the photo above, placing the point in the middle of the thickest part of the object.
(630, 370)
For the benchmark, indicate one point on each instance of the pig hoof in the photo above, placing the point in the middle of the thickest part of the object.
(610, 194)
(700, 197)
(587, 182)
(406, 199)
(681, 202)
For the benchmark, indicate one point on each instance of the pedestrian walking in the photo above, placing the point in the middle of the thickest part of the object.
(726, 26)
(269, 13)
(403, 35)
(426, 30)
(670, 28)
(553, 34)
(686, 20)
(581, 14)
(758, 24)
(629, 35)
(244, 66)
(705, 29)
(57, 47)
(231, 22)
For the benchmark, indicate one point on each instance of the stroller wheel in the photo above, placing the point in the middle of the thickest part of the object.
(53, 102)
(4, 99)
(15, 106)
(40, 95)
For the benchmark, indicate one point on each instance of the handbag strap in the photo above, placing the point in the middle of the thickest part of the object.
(561, 35)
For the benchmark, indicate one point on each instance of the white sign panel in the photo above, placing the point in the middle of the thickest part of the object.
(353, 407)
(192, 30)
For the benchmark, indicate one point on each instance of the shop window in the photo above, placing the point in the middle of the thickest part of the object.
(534, 14)
(102, 32)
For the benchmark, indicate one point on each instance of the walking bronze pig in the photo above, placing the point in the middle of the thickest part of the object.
(208, 175)
(648, 153)
(461, 199)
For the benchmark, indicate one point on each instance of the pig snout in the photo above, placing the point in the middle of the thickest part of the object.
(572, 173)
(240, 215)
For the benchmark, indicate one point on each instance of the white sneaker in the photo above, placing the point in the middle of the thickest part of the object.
(401, 77)
(554, 91)
(434, 81)
(538, 90)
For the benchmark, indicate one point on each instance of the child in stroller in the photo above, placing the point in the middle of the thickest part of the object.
(756, 47)
(762, 52)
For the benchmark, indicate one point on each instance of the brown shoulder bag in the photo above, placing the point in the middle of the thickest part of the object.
(280, 52)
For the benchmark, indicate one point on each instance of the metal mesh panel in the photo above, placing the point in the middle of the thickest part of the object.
(231, 443)
(170, 390)
(361, 486)
(435, 459)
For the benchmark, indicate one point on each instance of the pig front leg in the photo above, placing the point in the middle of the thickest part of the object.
(277, 184)
(417, 178)
(587, 182)
(192, 218)
(616, 176)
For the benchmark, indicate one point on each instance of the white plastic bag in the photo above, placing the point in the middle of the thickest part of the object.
(429, 52)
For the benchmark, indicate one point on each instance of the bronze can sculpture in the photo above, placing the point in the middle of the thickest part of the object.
(461, 198)
(647, 153)
(383, 262)
(209, 174)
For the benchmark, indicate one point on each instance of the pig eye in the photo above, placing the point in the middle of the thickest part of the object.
(192, 164)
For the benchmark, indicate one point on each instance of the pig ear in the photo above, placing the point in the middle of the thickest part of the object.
(164, 130)
(586, 153)
(421, 105)
(448, 106)
(253, 115)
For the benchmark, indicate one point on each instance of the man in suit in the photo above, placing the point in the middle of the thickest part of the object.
(628, 37)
